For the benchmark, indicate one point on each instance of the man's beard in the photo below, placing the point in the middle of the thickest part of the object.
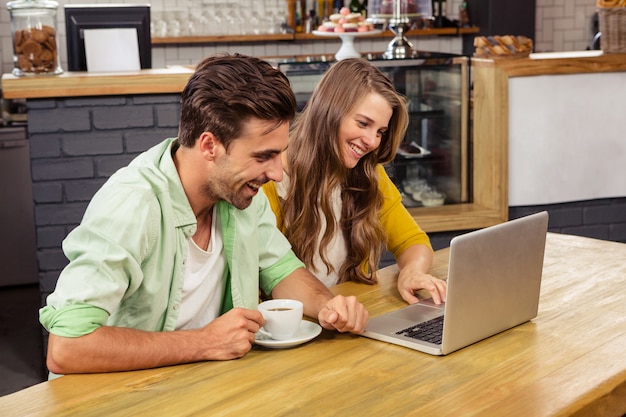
(235, 198)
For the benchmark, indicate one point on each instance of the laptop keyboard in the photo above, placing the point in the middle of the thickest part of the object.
(429, 331)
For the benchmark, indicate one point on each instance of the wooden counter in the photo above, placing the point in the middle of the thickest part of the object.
(568, 361)
(561, 118)
(84, 84)
(575, 62)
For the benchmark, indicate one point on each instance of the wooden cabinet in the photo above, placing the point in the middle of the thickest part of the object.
(559, 118)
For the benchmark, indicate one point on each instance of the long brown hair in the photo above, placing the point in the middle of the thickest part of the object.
(316, 169)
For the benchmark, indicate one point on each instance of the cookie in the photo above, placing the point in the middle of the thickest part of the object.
(36, 49)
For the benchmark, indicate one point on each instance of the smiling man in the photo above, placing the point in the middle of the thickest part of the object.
(167, 263)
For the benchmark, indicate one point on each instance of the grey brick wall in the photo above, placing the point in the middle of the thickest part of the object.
(599, 219)
(76, 144)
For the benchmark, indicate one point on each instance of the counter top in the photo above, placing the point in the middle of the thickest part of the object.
(153, 81)
(574, 62)
(80, 84)
(173, 79)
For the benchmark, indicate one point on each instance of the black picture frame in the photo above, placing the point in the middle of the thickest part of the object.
(79, 17)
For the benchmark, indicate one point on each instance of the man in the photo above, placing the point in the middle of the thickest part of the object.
(166, 265)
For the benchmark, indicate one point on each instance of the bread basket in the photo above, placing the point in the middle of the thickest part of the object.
(612, 20)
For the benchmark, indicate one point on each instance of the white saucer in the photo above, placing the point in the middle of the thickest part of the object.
(307, 331)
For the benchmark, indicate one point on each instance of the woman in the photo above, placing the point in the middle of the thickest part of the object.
(336, 204)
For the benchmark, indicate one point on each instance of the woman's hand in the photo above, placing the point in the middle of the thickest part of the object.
(414, 264)
(410, 280)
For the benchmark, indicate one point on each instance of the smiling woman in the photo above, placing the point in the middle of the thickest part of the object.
(362, 130)
(336, 204)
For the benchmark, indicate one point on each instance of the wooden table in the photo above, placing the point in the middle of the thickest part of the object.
(570, 360)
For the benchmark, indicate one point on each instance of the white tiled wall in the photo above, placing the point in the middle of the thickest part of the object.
(562, 25)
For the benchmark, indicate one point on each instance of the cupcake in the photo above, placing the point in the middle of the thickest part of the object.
(354, 17)
(335, 17)
(365, 27)
(328, 26)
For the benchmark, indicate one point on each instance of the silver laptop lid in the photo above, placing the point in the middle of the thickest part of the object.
(494, 279)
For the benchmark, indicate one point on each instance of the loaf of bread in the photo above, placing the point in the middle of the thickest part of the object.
(502, 46)
(610, 3)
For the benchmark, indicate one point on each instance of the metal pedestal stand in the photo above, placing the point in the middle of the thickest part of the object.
(399, 47)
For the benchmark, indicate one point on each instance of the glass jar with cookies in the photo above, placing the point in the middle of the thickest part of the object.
(34, 35)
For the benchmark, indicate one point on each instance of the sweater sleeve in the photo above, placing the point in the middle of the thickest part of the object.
(401, 228)
(269, 188)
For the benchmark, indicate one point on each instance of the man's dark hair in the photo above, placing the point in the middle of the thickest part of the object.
(226, 91)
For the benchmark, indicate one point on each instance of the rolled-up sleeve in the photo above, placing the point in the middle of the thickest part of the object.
(72, 320)
(271, 276)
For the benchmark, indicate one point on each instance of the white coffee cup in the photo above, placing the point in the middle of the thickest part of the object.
(282, 318)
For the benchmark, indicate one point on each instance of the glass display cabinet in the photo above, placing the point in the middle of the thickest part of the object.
(433, 168)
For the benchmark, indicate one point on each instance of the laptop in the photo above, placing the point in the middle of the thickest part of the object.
(494, 278)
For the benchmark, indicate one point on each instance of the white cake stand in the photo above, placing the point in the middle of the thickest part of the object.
(347, 49)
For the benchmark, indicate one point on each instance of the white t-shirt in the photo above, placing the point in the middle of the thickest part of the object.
(203, 286)
(336, 251)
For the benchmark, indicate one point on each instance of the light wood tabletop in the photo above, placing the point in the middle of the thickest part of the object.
(568, 361)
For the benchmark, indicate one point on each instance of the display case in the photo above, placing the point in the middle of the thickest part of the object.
(484, 161)
(433, 168)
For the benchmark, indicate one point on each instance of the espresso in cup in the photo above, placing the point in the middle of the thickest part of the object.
(282, 318)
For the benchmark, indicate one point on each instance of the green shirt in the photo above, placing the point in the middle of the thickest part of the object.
(127, 257)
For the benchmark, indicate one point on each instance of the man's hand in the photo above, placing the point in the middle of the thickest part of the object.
(231, 335)
(344, 314)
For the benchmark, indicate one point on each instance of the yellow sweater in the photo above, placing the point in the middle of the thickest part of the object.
(401, 229)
